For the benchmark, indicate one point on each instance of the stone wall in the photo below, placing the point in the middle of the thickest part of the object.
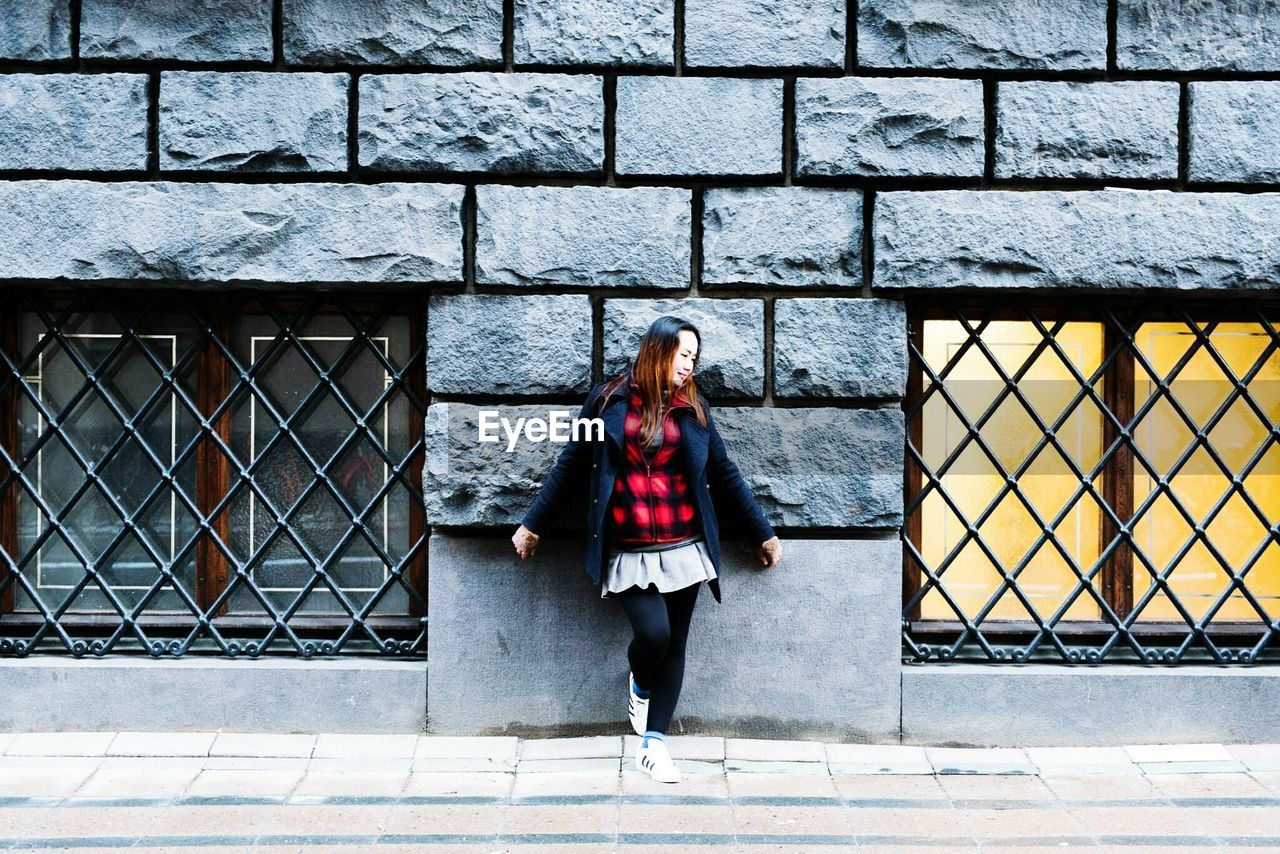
(551, 176)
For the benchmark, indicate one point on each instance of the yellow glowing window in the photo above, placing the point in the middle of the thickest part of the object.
(1007, 529)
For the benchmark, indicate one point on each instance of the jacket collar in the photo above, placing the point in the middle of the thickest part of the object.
(696, 434)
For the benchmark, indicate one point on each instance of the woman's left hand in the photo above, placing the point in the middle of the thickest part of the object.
(771, 552)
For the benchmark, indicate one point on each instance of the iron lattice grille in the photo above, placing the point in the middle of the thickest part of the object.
(236, 472)
(1092, 479)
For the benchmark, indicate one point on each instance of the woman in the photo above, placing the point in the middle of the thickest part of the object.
(653, 533)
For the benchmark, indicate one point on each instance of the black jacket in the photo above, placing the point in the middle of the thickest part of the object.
(711, 473)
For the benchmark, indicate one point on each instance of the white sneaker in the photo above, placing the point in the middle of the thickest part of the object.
(656, 762)
(637, 708)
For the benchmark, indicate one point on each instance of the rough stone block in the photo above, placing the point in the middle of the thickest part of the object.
(195, 31)
(500, 344)
(821, 466)
(482, 121)
(727, 33)
(73, 121)
(469, 482)
(1012, 34)
(1112, 239)
(839, 347)
(494, 670)
(782, 236)
(595, 32)
(393, 32)
(698, 126)
(582, 236)
(731, 353)
(1235, 135)
(231, 231)
(255, 121)
(913, 126)
(1241, 35)
(35, 29)
(1087, 130)
(814, 467)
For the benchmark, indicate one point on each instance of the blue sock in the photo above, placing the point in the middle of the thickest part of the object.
(643, 695)
(652, 733)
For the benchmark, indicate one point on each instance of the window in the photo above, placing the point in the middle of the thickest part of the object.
(1092, 478)
(237, 472)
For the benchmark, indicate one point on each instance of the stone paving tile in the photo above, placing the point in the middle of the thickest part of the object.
(566, 783)
(354, 783)
(776, 767)
(463, 764)
(444, 818)
(60, 744)
(256, 763)
(1177, 753)
(743, 785)
(5, 738)
(1104, 787)
(364, 746)
(1236, 821)
(877, 759)
(561, 818)
(639, 783)
(676, 818)
(1270, 779)
(466, 747)
(1241, 785)
(468, 784)
(42, 782)
(1153, 768)
(539, 766)
(297, 746)
(1135, 820)
(979, 760)
(584, 747)
(226, 783)
(163, 763)
(994, 786)
(1256, 757)
(1078, 760)
(137, 783)
(895, 821)
(329, 819)
(774, 750)
(788, 819)
(1030, 822)
(871, 787)
(384, 764)
(161, 744)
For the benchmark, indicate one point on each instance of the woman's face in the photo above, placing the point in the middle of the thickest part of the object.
(683, 361)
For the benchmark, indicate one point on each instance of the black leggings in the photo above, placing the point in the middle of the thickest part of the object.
(661, 625)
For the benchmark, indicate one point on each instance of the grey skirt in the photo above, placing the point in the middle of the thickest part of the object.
(669, 569)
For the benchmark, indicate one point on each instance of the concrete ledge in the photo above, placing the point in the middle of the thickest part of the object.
(1048, 705)
(808, 650)
(45, 693)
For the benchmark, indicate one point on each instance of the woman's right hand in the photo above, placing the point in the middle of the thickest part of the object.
(525, 541)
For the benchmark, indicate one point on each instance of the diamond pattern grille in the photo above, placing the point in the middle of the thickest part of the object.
(238, 473)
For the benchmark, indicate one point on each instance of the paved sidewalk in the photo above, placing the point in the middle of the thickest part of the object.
(213, 792)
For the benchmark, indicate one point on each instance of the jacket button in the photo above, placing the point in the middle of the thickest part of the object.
(595, 501)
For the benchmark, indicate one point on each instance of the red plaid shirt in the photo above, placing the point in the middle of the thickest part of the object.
(651, 499)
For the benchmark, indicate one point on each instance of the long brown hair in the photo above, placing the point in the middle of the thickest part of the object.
(651, 371)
